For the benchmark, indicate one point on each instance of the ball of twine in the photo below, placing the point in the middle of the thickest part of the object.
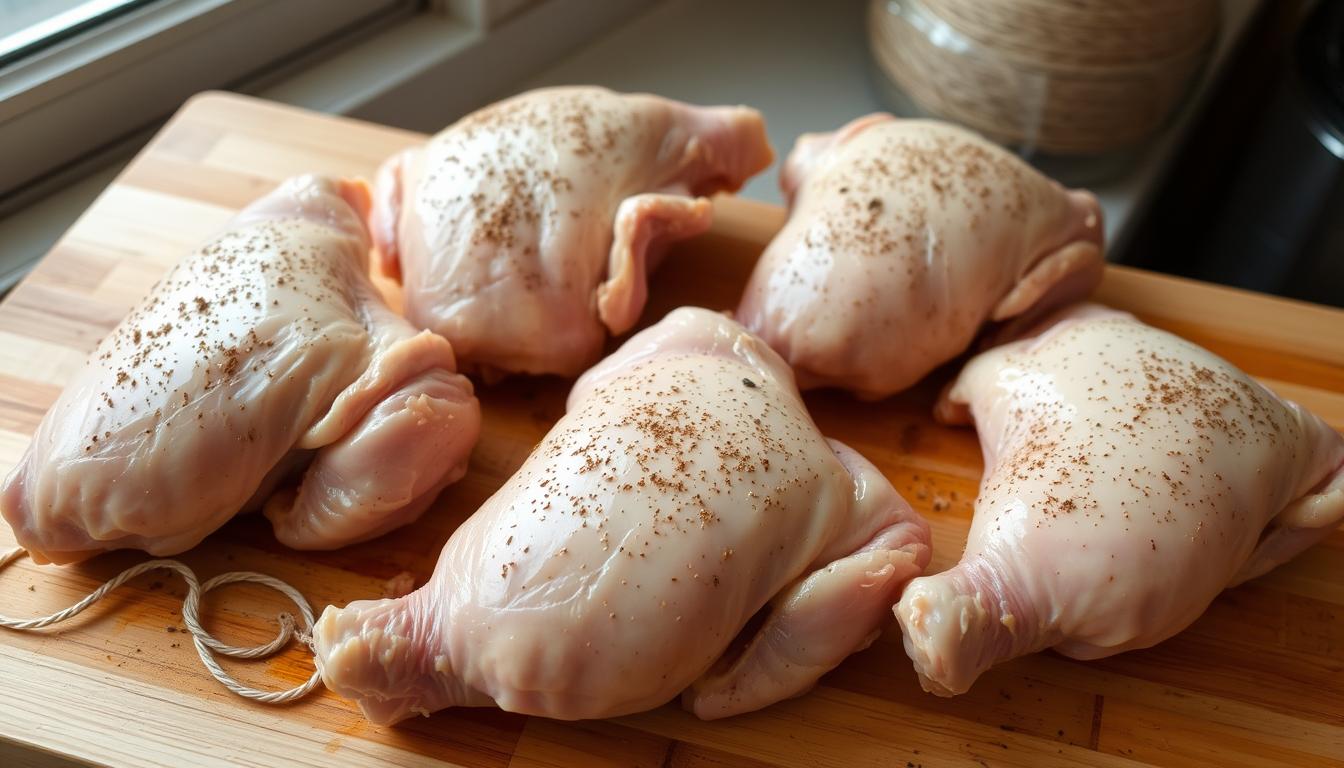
(1075, 77)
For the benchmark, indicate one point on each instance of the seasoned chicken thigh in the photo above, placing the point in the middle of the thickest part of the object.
(525, 231)
(267, 350)
(1130, 477)
(685, 488)
(904, 237)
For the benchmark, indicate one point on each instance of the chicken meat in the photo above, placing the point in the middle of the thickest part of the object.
(904, 237)
(266, 351)
(524, 233)
(685, 489)
(1130, 477)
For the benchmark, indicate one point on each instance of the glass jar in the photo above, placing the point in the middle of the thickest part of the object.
(1076, 87)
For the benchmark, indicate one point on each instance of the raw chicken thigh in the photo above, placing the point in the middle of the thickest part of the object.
(1131, 476)
(266, 350)
(524, 232)
(904, 237)
(685, 488)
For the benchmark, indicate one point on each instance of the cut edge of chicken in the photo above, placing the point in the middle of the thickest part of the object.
(957, 624)
(362, 652)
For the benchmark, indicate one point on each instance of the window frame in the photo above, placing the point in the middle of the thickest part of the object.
(78, 96)
(63, 25)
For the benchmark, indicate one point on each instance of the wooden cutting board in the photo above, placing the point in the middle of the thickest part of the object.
(1258, 681)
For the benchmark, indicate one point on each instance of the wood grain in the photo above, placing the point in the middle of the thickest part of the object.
(1259, 680)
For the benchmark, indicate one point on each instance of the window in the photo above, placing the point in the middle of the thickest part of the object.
(29, 25)
(81, 77)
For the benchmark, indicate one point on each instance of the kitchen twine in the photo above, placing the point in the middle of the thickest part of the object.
(206, 645)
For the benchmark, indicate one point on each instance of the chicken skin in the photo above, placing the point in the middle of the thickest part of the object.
(904, 238)
(524, 233)
(266, 350)
(685, 489)
(1130, 477)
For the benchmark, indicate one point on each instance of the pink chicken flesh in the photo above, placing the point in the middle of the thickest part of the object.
(263, 352)
(904, 237)
(525, 232)
(685, 489)
(1131, 476)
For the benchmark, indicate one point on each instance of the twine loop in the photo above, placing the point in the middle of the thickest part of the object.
(207, 645)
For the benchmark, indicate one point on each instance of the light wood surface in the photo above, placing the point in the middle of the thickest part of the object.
(1258, 681)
